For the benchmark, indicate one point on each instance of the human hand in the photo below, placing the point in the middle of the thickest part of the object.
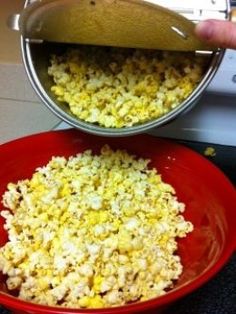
(218, 33)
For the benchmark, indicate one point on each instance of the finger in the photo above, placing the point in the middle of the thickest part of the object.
(218, 33)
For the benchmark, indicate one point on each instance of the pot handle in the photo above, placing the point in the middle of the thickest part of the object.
(13, 22)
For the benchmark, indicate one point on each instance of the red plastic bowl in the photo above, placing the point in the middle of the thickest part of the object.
(209, 197)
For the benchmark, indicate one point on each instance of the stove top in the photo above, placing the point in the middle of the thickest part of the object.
(212, 120)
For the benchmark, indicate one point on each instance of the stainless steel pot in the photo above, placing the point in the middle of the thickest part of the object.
(36, 61)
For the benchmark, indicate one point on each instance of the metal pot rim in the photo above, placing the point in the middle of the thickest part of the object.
(216, 59)
(98, 130)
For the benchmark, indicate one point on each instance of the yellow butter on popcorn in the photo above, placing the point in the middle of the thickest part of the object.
(92, 231)
(116, 88)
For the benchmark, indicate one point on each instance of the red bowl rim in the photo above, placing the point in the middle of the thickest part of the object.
(15, 303)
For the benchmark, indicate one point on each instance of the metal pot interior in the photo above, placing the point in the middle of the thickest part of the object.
(36, 58)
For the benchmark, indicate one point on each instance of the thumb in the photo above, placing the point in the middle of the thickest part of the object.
(217, 33)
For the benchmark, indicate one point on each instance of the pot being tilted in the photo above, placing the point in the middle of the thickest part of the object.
(48, 26)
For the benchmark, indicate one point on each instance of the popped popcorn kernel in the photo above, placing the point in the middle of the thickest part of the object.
(120, 87)
(92, 231)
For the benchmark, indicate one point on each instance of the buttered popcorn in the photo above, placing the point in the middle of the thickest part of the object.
(92, 231)
(115, 87)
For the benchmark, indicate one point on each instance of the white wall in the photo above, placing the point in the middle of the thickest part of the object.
(21, 112)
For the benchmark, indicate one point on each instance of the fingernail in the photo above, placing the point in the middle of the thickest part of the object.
(204, 30)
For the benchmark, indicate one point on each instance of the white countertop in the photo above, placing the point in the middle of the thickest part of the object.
(21, 112)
